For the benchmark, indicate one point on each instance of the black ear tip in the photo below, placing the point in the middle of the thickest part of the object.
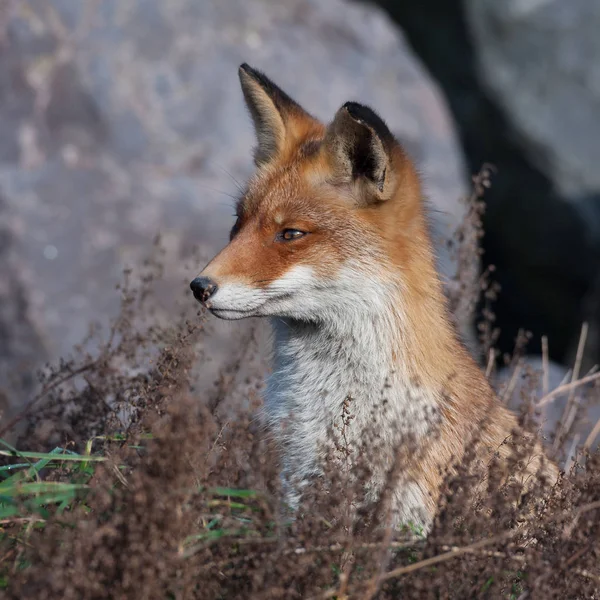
(364, 114)
(354, 108)
(245, 69)
(359, 112)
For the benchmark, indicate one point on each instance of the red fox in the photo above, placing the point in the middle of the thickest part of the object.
(331, 242)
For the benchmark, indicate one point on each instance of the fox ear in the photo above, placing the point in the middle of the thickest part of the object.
(359, 146)
(274, 113)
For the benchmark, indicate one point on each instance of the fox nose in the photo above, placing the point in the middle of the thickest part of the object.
(203, 288)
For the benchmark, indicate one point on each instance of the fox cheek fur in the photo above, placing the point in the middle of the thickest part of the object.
(331, 242)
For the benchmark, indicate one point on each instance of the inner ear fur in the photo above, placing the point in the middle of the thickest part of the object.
(278, 120)
(359, 148)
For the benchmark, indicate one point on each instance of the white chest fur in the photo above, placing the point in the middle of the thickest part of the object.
(316, 368)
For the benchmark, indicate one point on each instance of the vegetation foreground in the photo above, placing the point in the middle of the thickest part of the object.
(123, 483)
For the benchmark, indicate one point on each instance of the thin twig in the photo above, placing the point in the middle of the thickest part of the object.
(454, 552)
(588, 574)
(410, 544)
(571, 453)
(593, 435)
(510, 388)
(545, 367)
(21, 520)
(582, 509)
(583, 572)
(581, 552)
(490, 363)
(374, 583)
(428, 562)
(493, 554)
(570, 411)
(567, 387)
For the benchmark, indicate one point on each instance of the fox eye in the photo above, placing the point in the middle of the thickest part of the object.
(287, 235)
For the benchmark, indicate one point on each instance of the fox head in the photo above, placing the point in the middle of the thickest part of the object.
(328, 221)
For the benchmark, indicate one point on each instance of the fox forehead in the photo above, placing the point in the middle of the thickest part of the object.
(296, 187)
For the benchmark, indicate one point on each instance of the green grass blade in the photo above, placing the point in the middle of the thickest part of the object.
(62, 457)
(233, 493)
(228, 504)
(7, 468)
(38, 487)
(6, 512)
(213, 534)
(34, 468)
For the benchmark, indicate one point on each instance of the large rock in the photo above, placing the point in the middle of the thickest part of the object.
(21, 347)
(125, 118)
(541, 60)
(543, 243)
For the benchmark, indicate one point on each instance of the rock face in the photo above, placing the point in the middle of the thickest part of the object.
(122, 119)
(541, 59)
(542, 236)
(21, 347)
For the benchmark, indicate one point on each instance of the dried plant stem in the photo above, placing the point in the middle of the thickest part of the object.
(452, 553)
(581, 510)
(510, 388)
(567, 387)
(375, 581)
(476, 547)
(593, 435)
(490, 363)
(331, 548)
(428, 562)
(545, 367)
(570, 411)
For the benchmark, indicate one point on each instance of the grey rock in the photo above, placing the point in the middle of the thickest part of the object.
(21, 348)
(541, 60)
(125, 118)
(545, 247)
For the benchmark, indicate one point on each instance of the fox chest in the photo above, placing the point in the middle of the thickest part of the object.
(312, 389)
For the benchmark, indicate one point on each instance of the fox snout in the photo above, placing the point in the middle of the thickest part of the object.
(203, 288)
